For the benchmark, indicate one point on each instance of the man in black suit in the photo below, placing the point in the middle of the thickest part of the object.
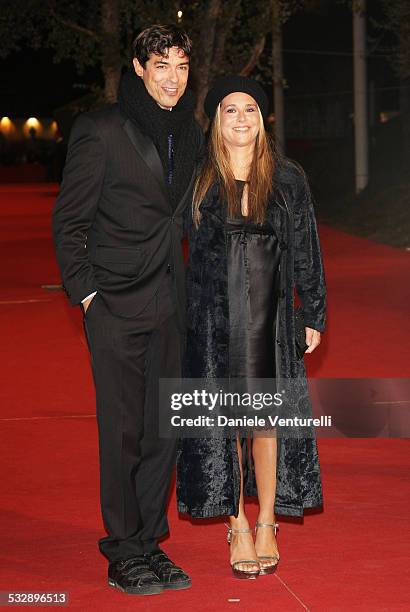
(117, 228)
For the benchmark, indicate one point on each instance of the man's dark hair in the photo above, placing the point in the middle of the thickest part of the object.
(158, 39)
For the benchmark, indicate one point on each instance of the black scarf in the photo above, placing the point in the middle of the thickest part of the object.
(157, 123)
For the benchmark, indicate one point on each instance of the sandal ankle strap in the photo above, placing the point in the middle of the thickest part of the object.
(244, 530)
(233, 531)
(275, 526)
(240, 530)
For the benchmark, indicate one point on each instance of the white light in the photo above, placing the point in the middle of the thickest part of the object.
(179, 14)
(32, 122)
(6, 125)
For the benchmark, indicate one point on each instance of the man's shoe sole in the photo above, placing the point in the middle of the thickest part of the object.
(147, 590)
(177, 586)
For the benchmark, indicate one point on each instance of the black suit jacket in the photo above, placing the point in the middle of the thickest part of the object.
(114, 228)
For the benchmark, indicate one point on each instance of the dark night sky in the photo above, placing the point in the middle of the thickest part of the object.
(33, 85)
(332, 31)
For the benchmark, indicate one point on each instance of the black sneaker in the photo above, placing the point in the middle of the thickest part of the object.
(171, 576)
(134, 576)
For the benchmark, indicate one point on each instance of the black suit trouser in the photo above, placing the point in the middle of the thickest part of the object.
(128, 357)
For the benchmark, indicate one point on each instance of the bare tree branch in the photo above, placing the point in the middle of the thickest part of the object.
(254, 58)
(71, 24)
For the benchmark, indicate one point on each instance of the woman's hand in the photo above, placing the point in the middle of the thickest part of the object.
(312, 339)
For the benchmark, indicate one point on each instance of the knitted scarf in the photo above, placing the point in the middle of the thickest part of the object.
(174, 133)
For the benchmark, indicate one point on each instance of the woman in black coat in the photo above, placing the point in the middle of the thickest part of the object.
(252, 241)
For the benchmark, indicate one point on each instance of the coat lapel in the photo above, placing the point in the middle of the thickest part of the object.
(148, 152)
(211, 205)
(181, 205)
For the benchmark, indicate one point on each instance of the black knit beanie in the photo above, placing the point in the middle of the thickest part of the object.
(232, 83)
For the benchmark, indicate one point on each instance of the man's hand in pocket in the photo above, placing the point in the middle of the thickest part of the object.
(87, 303)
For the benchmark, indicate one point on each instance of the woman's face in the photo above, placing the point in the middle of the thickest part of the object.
(240, 121)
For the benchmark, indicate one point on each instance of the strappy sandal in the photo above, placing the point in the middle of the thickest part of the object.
(271, 568)
(238, 573)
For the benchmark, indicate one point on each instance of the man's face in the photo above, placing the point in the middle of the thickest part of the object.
(165, 77)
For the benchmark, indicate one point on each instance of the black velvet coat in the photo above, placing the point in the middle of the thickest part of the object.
(208, 477)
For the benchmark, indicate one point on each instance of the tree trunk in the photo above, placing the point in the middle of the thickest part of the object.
(205, 53)
(360, 96)
(111, 48)
(405, 120)
(404, 54)
(223, 30)
(278, 76)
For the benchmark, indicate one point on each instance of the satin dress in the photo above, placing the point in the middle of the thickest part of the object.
(253, 281)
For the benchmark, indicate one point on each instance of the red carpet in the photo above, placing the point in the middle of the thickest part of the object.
(353, 556)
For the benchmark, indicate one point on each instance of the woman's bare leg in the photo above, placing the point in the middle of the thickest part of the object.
(242, 545)
(264, 456)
